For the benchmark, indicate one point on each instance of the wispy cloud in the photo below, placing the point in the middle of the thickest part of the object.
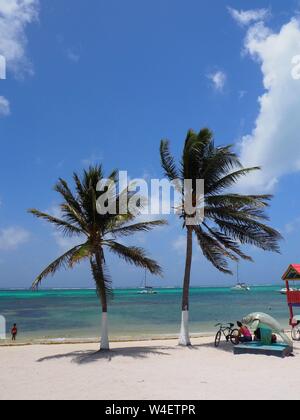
(93, 159)
(218, 80)
(242, 94)
(73, 56)
(15, 16)
(12, 237)
(4, 107)
(179, 244)
(247, 17)
(292, 227)
(65, 243)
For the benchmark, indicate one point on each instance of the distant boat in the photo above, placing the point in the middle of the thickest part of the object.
(147, 290)
(284, 291)
(240, 287)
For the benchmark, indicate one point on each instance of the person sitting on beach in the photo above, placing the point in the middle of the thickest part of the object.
(14, 332)
(245, 335)
(257, 336)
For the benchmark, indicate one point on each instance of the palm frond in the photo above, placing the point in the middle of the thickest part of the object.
(214, 251)
(64, 261)
(238, 200)
(66, 228)
(197, 147)
(242, 214)
(261, 236)
(228, 243)
(72, 216)
(79, 186)
(229, 180)
(135, 256)
(168, 161)
(137, 228)
(220, 161)
(85, 251)
(92, 176)
(62, 188)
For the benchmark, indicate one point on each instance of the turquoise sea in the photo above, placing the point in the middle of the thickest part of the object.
(56, 314)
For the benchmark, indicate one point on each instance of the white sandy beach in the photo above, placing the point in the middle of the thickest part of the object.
(145, 370)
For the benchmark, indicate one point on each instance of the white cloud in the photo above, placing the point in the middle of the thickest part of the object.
(218, 79)
(180, 244)
(292, 227)
(246, 17)
(65, 243)
(93, 159)
(11, 238)
(73, 56)
(4, 107)
(242, 94)
(15, 15)
(274, 141)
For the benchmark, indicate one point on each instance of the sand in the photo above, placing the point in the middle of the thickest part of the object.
(144, 371)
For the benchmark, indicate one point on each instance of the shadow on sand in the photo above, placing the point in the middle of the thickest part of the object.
(86, 357)
(225, 347)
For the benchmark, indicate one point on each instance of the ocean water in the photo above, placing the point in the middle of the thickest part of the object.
(52, 314)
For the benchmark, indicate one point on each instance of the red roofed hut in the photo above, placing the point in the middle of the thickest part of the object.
(293, 296)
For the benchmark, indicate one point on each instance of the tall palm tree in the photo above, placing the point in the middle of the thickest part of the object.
(230, 220)
(97, 231)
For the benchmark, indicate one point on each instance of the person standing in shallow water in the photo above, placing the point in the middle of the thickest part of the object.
(14, 332)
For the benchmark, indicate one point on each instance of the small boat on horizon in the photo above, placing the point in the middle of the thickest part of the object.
(240, 287)
(147, 290)
(284, 291)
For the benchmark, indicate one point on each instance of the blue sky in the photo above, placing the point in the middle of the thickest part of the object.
(98, 81)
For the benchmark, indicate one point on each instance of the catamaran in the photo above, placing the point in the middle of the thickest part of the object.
(240, 287)
(147, 290)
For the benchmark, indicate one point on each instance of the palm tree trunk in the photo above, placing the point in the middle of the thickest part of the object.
(184, 339)
(104, 344)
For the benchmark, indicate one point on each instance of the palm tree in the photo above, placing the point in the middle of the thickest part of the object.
(230, 220)
(80, 217)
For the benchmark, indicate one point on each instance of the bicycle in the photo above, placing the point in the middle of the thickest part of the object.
(228, 332)
(296, 332)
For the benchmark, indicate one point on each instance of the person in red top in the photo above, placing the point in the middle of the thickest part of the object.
(245, 335)
(14, 332)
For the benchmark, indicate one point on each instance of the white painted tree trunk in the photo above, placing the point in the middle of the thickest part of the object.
(104, 332)
(184, 339)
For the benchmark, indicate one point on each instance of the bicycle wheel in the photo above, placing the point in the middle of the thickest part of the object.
(234, 337)
(296, 333)
(218, 339)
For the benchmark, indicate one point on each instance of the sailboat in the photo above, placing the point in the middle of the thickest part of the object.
(147, 290)
(240, 287)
